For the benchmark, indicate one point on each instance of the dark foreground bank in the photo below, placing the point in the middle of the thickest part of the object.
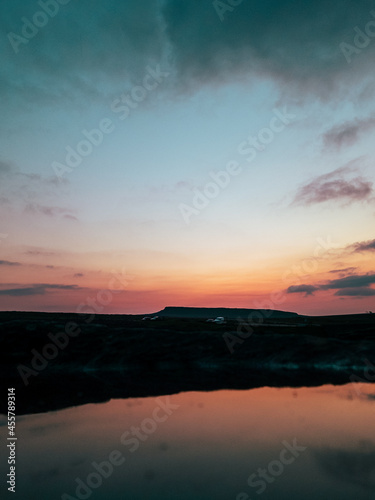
(59, 360)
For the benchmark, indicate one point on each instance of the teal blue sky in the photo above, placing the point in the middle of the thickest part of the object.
(204, 82)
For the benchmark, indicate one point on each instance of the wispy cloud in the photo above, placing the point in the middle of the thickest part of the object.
(50, 211)
(339, 186)
(306, 289)
(347, 133)
(70, 217)
(42, 253)
(32, 193)
(346, 270)
(9, 263)
(10, 172)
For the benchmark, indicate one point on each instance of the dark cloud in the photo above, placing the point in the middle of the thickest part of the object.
(347, 133)
(355, 285)
(36, 289)
(23, 292)
(339, 186)
(9, 263)
(364, 246)
(356, 292)
(292, 41)
(306, 289)
(350, 466)
(86, 42)
(78, 275)
(357, 280)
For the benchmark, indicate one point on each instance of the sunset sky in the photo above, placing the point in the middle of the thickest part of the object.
(231, 160)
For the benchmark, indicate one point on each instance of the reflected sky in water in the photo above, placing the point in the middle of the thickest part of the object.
(292, 443)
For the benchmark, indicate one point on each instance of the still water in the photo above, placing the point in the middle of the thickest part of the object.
(307, 443)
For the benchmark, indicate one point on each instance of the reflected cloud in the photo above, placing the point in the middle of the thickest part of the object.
(352, 466)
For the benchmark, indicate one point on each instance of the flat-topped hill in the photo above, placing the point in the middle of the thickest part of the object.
(226, 312)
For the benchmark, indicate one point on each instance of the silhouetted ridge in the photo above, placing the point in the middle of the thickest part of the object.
(226, 312)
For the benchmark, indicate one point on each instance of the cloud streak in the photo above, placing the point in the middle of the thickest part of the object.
(356, 292)
(306, 289)
(358, 280)
(49, 211)
(346, 270)
(337, 186)
(36, 289)
(347, 133)
(355, 285)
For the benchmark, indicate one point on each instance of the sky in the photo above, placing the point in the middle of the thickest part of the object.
(187, 153)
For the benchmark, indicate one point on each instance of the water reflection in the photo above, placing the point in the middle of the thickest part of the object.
(220, 445)
(353, 466)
